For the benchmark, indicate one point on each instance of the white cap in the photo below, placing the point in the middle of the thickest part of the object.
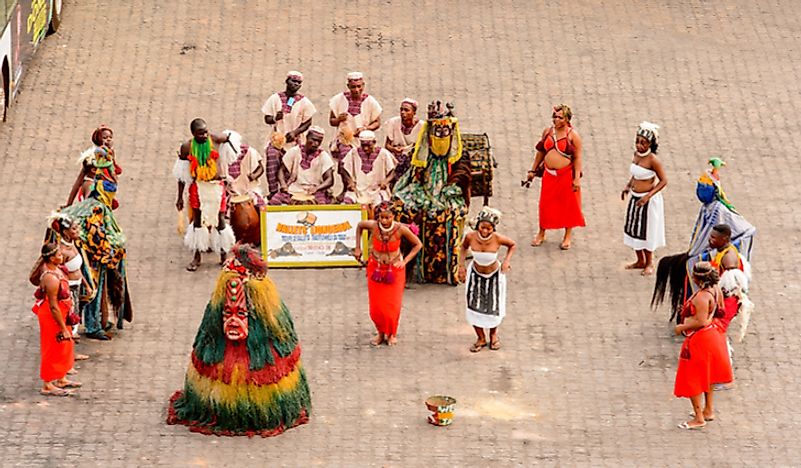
(409, 100)
(295, 74)
(317, 130)
(366, 135)
(355, 76)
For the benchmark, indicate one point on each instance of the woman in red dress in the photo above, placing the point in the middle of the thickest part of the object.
(559, 161)
(386, 270)
(53, 305)
(704, 358)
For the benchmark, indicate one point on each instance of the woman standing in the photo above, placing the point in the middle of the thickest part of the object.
(485, 288)
(559, 152)
(402, 132)
(645, 217)
(53, 305)
(704, 358)
(386, 270)
(98, 166)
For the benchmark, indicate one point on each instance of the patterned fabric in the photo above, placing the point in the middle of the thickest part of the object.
(636, 219)
(272, 164)
(428, 197)
(354, 104)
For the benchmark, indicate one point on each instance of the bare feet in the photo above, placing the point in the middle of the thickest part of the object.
(392, 340)
(81, 357)
(635, 266)
(648, 270)
(377, 340)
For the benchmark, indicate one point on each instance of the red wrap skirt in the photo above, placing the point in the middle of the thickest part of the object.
(386, 298)
(560, 206)
(57, 356)
(704, 361)
(731, 306)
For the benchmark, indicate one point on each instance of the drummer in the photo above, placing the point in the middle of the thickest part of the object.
(244, 170)
(307, 173)
(367, 172)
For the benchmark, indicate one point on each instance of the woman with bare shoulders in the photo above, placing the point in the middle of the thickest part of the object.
(485, 287)
(386, 270)
(644, 230)
(53, 305)
(559, 161)
(704, 359)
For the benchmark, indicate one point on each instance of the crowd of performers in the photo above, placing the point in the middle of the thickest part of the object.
(245, 374)
(80, 275)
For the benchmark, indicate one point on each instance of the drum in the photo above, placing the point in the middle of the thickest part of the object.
(245, 220)
(441, 408)
(476, 146)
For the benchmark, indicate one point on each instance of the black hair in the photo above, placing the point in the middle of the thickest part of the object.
(196, 124)
(723, 229)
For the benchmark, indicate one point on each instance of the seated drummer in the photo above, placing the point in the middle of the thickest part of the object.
(307, 173)
(244, 170)
(367, 172)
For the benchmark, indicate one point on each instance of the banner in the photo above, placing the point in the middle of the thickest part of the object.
(310, 235)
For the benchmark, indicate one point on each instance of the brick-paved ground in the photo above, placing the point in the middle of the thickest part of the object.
(586, 373)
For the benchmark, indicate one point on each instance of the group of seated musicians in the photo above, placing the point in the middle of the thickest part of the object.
(307, 173)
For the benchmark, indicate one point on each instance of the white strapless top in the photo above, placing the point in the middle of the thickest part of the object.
(641, 173)
(74, 264)
(485, 258)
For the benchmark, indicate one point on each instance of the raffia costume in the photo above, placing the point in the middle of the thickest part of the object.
(244, 379)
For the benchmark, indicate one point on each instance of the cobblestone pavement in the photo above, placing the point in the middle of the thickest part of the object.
(586, 373)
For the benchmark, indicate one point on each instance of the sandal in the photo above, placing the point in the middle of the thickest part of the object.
(477, 346)
(686, 426)
(565, 245)
(68, 384)
(81, 357)
(57, 391)
(692, 415)
(495, 345)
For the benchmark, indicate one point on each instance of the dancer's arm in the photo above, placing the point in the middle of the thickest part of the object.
(511, 246)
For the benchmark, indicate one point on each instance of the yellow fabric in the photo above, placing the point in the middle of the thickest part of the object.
(239, 390)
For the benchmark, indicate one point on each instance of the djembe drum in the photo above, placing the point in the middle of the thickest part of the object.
(245, 220)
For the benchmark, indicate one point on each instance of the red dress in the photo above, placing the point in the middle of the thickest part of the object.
(385, 285)
(560, 206)
(704, 358)
(57, 356)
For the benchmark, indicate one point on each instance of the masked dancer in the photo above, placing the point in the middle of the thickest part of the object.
(245, 375)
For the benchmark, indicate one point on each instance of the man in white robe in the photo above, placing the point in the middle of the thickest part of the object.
(402, 132)
(289, 115)
(367, 172)
(352, 112)
(307, 173)
(242, 169)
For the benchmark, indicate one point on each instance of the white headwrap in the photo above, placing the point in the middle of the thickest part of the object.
(355, 76)
(295, 74)
(317, 130)
(366, 135)
(649, 131)
(410, 101)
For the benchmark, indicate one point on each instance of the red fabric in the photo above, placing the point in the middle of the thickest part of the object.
(704, 361)
(194, 199)
(269, 374)
(560, 206)
(385, 299)
(731, 307)
(57, 356)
